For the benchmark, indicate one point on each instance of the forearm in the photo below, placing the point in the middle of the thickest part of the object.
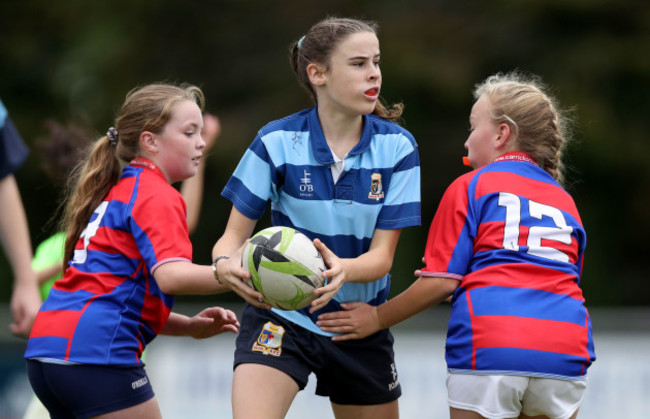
(368, 267)
(179, 278)
(176, 325)
(192, 191)
(376, 262)
(422, 294)
(227, 245)
(14, 232)
(44, 274)
(238, 230)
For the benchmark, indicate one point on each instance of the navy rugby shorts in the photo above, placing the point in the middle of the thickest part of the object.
(356, 372)
(83, 390)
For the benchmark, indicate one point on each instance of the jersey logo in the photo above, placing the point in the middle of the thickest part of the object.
(306, 187)
(376, 188)
(270, 340)
(297, 141)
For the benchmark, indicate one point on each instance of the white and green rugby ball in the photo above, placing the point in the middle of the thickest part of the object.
(285, 267)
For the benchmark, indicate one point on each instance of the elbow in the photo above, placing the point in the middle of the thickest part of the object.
(166, 279)
(387, 265)
(450, 286)
(167, 287)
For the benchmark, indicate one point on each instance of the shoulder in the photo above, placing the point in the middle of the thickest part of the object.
(381, 126)
(461, 186)
(155, 184)
(294, 122)
(150, 187)
(519, 173)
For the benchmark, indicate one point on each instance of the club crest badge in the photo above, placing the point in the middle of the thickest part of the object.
(269, 341)
(376, 188)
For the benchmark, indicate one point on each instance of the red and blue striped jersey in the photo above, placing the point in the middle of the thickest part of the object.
(108, 306)
(513, 237)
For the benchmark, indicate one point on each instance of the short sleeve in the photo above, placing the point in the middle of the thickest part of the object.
(159, 226)
(251, 186)
(449, 247)
(13, 150)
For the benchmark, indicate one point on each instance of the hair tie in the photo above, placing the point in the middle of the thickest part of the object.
(300, 41)
(113, 136)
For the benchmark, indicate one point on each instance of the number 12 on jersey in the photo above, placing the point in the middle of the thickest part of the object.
(560, 233)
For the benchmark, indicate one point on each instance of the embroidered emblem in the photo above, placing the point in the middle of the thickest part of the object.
(306, 187)
(270, 340)
(297, 141)
(376, 189)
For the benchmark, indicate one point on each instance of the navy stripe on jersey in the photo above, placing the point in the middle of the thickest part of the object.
(288, 165)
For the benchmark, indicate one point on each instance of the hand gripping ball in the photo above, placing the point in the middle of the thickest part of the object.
(285, 267)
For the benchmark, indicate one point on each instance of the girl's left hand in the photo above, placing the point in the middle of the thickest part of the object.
(335, 276)
(212, 321)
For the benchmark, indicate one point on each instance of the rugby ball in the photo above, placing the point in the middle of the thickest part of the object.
(285, 267)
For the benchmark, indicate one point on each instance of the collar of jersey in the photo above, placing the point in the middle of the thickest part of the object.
(516, 156)
(141, 162)
(322, 151)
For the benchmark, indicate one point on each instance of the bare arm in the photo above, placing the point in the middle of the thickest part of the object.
(231, 244)
(14, 235)
(359, 320)
(209, 322)
(42, 275)
(187, 278)
(192, 188)
(368, 267)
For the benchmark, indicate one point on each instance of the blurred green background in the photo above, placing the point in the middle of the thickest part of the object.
(74, 61)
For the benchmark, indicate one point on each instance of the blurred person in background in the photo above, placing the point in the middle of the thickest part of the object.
(14, 230)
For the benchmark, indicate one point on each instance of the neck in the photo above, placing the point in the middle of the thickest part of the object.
(342, 132)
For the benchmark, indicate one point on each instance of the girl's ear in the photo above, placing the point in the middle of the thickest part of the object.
(316, 74)
(148, 142)
(504, 136)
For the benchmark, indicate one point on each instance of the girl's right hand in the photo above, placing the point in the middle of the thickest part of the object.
(234, 276)
(355, 321)
(335, 276)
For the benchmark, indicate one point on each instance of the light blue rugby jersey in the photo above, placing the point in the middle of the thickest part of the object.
(288, 164)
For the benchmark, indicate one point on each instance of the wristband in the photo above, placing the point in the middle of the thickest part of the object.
(214, 267)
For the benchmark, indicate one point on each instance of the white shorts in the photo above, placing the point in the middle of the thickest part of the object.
(507, 396)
